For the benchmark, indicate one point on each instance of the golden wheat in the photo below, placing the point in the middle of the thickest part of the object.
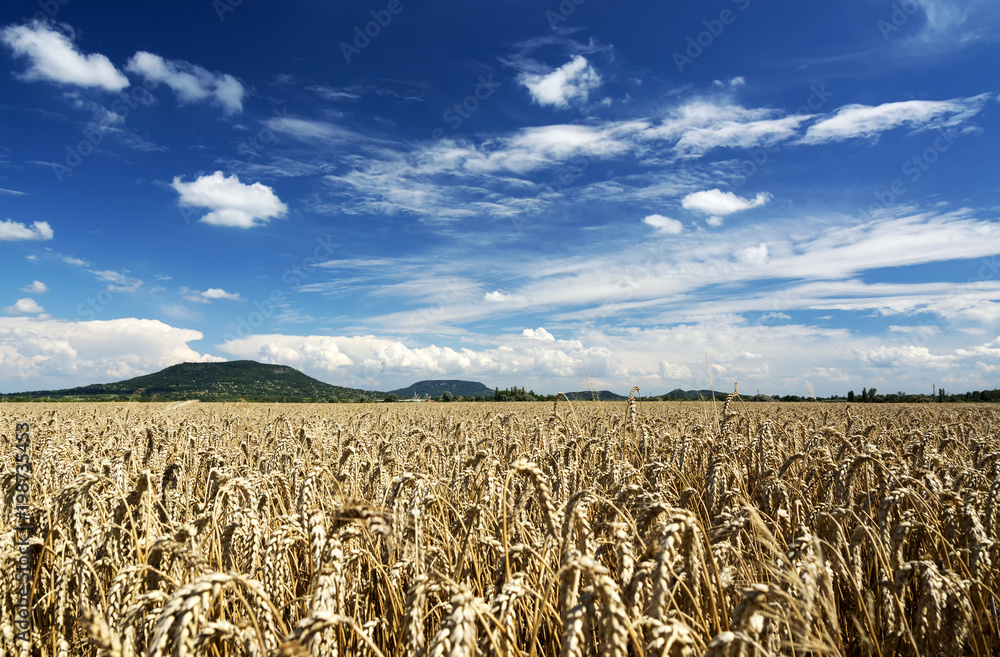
(528, 530)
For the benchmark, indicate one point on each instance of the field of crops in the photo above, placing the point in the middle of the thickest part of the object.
(506, 529)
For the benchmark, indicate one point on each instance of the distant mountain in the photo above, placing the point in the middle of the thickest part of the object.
(436, 387)
(677, 393)
(587, 395)
(231, 381)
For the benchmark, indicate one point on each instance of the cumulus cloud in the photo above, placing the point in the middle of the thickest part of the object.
(673, 372)
(865, 121)
(217, 293)
(990, 349)
(754, 255)
(47, 353)
(191, 83)
(12, 230)
(212, 294)
(538, 334)
(495, 297)
(664, 224)
(36, 287)
(231, 202)
(571, 81)
(53, 57)
(903, 356)
(365, 359)
(24, 307)
(720, 204)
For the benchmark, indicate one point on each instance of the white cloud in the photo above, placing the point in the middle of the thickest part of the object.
(852, 121)
(673, 372)
(664, 224)
(24, 307)
(306, 130)
(572, 81)
(720, 204)
(231, 202)
(12, 192)
(118, 281)
(538, 334)
(495, 297)
(191, 83)
(699, 126)
(363, 361)
(36, 287)
(212, 294)
(217, 293)
(12, 230)
(76, 262)
(754, 255)
(110, 276)
(990, 349)
(53, 57)
(903, 356)
(48, 354)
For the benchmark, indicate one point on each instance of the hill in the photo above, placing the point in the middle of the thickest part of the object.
(230, 381)
(436, 387)
(677, 393)
(587, 395)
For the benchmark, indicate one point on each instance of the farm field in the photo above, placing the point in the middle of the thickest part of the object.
(632, 528)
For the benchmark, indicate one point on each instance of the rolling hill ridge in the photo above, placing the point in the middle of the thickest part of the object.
(229, 381)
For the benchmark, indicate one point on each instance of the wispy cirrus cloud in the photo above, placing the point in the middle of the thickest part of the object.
(868, 122)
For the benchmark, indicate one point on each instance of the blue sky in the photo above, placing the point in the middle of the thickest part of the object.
(542, 194)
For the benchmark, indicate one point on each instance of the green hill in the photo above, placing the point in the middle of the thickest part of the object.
(588, 395)
(677, 393)
(231, 381)
(436, 387)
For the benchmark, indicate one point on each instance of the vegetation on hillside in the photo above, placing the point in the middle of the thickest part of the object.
(230, 381)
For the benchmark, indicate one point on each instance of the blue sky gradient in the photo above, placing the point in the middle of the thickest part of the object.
(523, 193)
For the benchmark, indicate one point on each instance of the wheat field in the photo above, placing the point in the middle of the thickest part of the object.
(530, 530)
